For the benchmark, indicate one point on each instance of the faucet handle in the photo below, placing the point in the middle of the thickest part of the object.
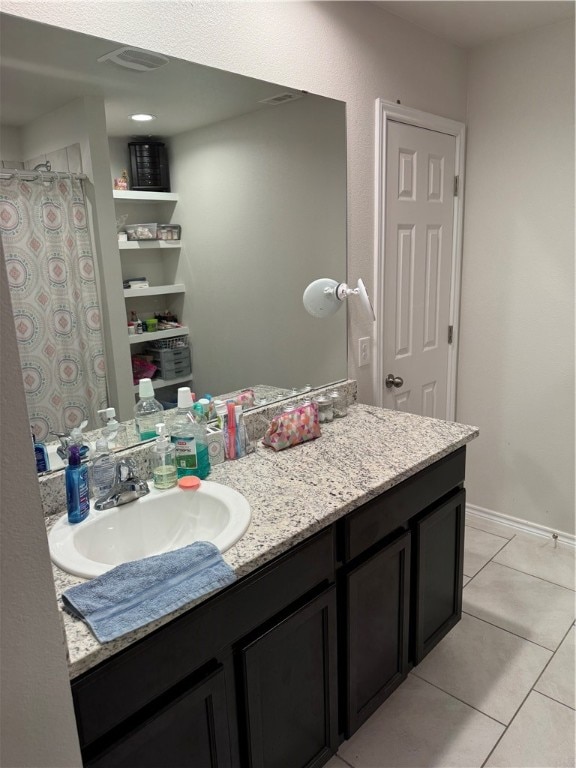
(63, 436)
(125, 470)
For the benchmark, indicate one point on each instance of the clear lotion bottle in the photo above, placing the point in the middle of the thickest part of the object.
(163, 461)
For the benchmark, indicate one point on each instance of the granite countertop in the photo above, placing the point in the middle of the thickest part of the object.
(297, 492)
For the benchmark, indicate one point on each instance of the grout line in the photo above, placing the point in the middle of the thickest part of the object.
(412, 672)
(547, 581)
(518, 711)
(504, 629)
(508, 726)
(551, 698)
(488, 561)
(498, 536)
(546, 667)
(521, 637)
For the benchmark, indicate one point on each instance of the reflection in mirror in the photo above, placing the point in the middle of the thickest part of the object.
(257, 176)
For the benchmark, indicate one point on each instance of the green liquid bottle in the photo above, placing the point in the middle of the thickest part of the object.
(189, 439)
(147, 411)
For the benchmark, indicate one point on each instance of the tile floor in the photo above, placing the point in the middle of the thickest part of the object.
(498, 690)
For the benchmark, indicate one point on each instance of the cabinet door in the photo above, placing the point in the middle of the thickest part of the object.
(290, 679)
(190, 731)
(437, 577)
(377, 621)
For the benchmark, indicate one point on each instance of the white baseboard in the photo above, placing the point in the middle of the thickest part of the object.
(519, 524)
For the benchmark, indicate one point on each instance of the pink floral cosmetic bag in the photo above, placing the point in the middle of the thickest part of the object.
(296, 425)
(246, 398)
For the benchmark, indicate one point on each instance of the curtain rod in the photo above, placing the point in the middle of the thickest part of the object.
(11, 173)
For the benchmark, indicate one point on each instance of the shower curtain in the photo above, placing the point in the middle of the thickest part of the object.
(52, 279)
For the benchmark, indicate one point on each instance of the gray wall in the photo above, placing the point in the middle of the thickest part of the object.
(263, 208)
(516, 373)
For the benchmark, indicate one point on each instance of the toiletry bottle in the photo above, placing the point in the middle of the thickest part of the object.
(41, 454)
(77, 487)
(147, 411)
(77, 438)
(103, 469)
(189, 439)
(163, 460)
(230, 431)
(221, 411)
(113, 429)
(205, 403)
(240, 432)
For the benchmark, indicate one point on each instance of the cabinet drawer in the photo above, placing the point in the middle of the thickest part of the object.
(394, 508)
(121, 686)
(168, 372)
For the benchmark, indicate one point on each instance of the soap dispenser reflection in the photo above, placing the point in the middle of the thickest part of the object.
(113, 431)
(163, 460)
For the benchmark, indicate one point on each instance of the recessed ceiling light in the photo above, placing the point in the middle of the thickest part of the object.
(143, 118)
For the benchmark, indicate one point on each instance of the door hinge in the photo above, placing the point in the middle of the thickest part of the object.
(450, 334)
(456, 185)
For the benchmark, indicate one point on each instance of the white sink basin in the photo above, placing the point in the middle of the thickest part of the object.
(159, 522)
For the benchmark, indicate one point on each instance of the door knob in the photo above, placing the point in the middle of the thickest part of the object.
(393, 381)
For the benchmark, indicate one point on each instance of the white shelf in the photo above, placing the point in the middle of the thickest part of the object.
(140, 338)
(159, 383)
(138, 245)
(154, 290)
(151, 197)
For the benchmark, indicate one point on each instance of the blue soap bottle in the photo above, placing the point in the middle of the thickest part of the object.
(77, 487)
(41, 455)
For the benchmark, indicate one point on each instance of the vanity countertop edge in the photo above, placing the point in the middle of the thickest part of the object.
(295, 493)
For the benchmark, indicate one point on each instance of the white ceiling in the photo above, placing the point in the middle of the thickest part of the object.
(45, 67)
(468, 23)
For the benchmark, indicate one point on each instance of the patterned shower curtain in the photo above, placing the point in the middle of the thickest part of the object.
(52, 278)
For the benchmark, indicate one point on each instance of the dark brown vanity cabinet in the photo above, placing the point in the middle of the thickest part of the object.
(290, 689)
(190, 730)
(401, 583)
(438, 545)
(277, 669)
(376, 627)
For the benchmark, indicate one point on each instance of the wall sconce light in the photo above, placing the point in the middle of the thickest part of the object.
(325, 296)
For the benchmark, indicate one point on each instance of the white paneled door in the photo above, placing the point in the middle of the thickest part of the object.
(417, 270)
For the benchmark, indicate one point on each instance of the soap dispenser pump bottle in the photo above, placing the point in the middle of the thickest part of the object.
(113, 428)
(77, 438)
(147, 411)
(163, 460)
(77, 487)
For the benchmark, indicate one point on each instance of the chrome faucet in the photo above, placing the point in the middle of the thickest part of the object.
(126, 487)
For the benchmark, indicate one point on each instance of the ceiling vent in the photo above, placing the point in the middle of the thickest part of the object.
(281, 98)
(135, 58)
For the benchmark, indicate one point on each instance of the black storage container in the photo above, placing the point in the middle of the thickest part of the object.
(149, 163)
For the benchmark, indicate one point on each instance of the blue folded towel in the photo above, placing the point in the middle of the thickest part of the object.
(134, 594)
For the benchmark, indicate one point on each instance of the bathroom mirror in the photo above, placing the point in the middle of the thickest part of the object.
(260, 174)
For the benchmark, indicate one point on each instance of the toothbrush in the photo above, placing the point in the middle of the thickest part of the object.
(231, 430)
